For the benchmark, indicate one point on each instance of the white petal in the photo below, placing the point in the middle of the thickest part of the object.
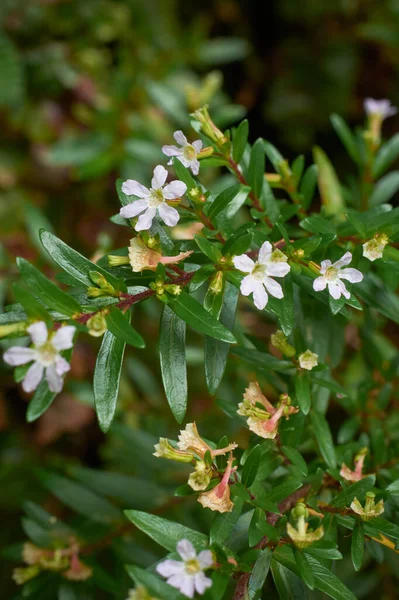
(278, 269)
(319, 284)
(145, 220)
(244, 263)
(197, 146)
(170, 567)
(62, 366)
(335, 290)
(265, 251)
(168, 214)
(195, 166)
(248, 284)
(172, 151)
(260, 297)
(159, 177)
(32, 377)
(344, 260)
(202, 583)
(186, 550)
(133, 209)
(175, 189)
(180, 138)
(18, 355)
(63, 338)
(324, 266)
(205, 559)
(131, 187)
(273, 287)
(183, 583)
(352, 275)
(55, 382)
(38, 332)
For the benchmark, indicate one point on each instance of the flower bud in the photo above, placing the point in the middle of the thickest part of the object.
(216, 285)
(279, 341)
(116, 261)
(23, 574)
(173, 289)
(97, 325)
(308, 360)
(209, 128)
(165, 450)
(10, 328)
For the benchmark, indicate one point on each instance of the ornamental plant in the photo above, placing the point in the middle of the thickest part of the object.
(289, 277)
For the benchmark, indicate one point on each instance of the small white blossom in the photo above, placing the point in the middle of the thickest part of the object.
(259, 279)
(308, 360)
(374, 248)
(332, 275)
(45, 355)
(152, 200)
(382, 108)
(187, 154)
(187, 576)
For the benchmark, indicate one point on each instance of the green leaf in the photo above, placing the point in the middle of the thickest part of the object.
(238, 244)
(107, 374)
(251, 466)
(40, 402)
(346, 137)
(172, 353)
(275, 157)
(184, 175)
(79, 498)
(316, 224)
(47, 291)
(153, 583)
(195, 315)
(119, 325)
(11, 74)
(210, 249)
(215, 351)
(296, 458)
(219, 51)
(256, 169)
(386, 155)
(330, 188)
(324, 439)
(74, 263)
(32, 307)
(240, 139)
(308, 186)
(356, 490)
(259, 573)
(302, 391)
(304, 569)
(384, 189)
(236, 193)
(357, 545)
(223, 524)
(166, 533)
(263, 360)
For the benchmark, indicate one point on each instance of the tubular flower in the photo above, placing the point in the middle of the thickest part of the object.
(32, 554)
(259, 279)
(201, 477)
(187, 154)
(142, 257)
(164, 449)
(332, 275)
(44, 355)
(355, 475)
(23, 574)
(78, 571)
(263, 417)
(190, 439)
(370, 510)
(218, 499)
(153, 200)
(188, 574)
(374, 248)
(382, 108)
(308, 360)
(300, 535)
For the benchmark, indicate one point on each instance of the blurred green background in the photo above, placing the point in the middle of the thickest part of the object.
(90, 91)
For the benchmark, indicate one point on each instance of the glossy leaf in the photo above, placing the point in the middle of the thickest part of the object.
(172, 353)
(119, 325)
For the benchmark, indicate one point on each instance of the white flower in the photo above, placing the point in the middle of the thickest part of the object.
(259, 279)
(308, 360)
(152, 200)
(332, 275)
(374, 248)
(187, 576)
(382, 108)
(45, 355)
(187, 154)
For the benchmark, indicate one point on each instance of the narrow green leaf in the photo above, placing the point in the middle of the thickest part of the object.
(259, 573)
(184, 175)
(119, 325)
(263, 360)
(384, 189)
(324, 439)
(40, 402)
(386, 155)
(251, 466)
(357, 545)
(240, 139)
(188, 309)
(172, 353)
(302, 391)
(304, 569)
(308, 186)
(32, 307)
(330, 188)
(296, 458)
(356, 490)
(222, 201)
(275, 156)
(107, 374)
(223, 523)
(153, 583)
(11, 73)
(210, 249)
(346, 137)
(256, 169)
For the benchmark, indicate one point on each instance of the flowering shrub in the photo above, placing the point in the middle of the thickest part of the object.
(277, 488)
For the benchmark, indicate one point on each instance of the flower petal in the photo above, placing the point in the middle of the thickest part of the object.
(18, 355)
(184, 583)
(260, 296)
(159, 177)
(168, 214)
(273, 287)
(264, 253)
(169, 567)
(55, 382)
(172, 151)
(180, 138)
(205, 559)
(175, 189)
(195, 167)
(334, 290)
(63, 338)
(186, 549)
(278, 269)
(131, 187)
(32, 377)
(344, 260)
(145, 220)
(248, 284)
(197, 146)
(352, 275)
(319, 284)
(133, 209)
(38, 332)
(202, 583)
(324, 266)
(243, 263)
(62, 366)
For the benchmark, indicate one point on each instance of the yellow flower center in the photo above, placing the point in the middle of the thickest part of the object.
(259, 271)
(190, 152)
(47, 354)
(192, 566)
(331, 273)
(156, 198)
